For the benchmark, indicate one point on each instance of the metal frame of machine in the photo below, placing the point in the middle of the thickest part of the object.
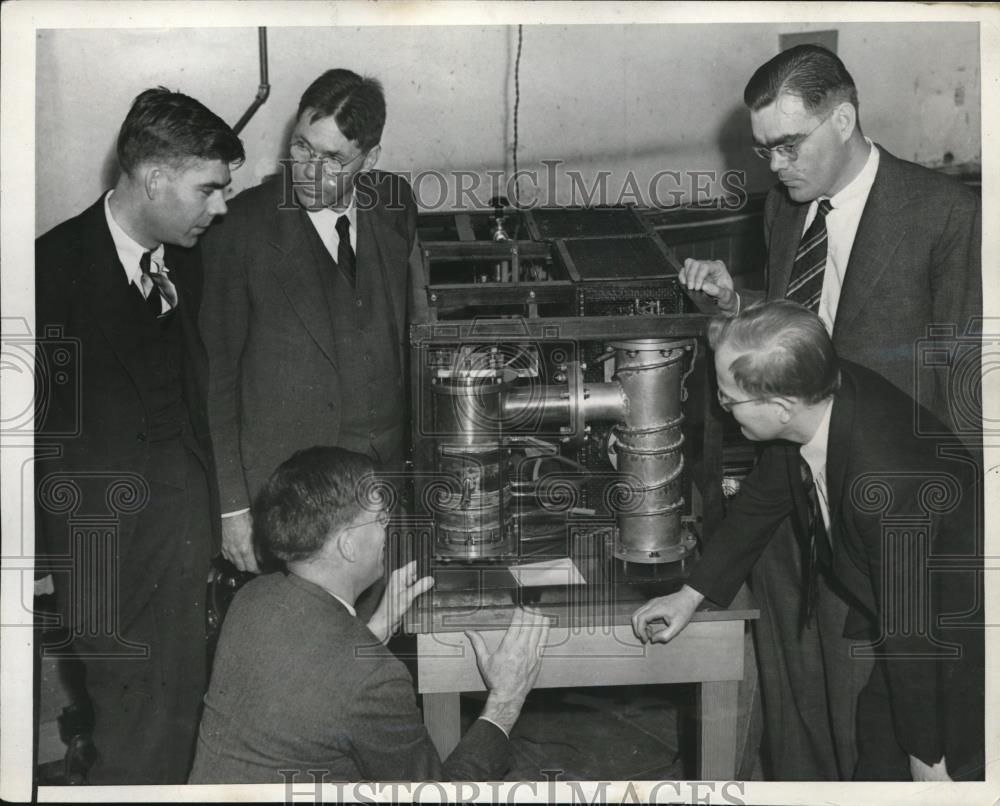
(493, 410)
(497, 395)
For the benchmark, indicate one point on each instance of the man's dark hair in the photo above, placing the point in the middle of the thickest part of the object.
(783, 349)
(318, 491)
(810, 72)
(357, 105)
(174, 127)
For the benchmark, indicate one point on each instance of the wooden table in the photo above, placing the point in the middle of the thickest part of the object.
(599, 651)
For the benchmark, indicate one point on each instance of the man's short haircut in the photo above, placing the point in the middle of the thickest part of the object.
(170, 126)
(810, 72)
(315, 493)
(357, 105)
(782, 349)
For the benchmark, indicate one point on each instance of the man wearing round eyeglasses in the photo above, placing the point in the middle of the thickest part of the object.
(895, 247)
(306, 294)
(888, 520)
(881, 249)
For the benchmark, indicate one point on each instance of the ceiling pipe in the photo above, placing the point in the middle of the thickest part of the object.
(263, 90)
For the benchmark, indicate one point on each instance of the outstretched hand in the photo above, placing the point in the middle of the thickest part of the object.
(511, 670)
(675, 611)
(401, 591)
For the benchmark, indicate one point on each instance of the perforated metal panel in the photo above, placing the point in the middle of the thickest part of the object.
(632, 299)
(586, 223)
(617, 259)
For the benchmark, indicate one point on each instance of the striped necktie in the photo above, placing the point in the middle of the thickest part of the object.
(805, 286)
(150, 287)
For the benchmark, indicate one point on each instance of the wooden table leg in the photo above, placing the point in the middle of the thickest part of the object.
(442, 718)
(718, 730)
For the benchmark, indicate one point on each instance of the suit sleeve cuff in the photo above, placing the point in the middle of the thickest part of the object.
(486, 719)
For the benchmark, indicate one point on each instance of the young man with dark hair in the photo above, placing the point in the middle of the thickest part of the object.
(889, 523)
(301, 687)
(307, 289)
(126, 507)
(882, 249)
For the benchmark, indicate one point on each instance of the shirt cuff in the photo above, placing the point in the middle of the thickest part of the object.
(739, 302)
(487, 719)
(234, 513)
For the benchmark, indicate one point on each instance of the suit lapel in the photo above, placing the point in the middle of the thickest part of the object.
(109, 296)
(184, 271)
(786, 232)
(838, 445)
(882, 228)
(382, 246)
(294, 266)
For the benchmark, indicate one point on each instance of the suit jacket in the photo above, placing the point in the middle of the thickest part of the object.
(892, 497)
(92, 417)
(274, 384)
(300, 684)
(915, 262)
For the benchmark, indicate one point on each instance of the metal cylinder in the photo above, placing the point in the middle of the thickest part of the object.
(649, 442)
(473, 517)
(604, 401)
(546, 403)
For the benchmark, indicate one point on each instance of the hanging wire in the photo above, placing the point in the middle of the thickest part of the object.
(517, 104)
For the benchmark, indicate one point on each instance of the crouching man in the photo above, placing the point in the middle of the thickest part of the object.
(300, 684)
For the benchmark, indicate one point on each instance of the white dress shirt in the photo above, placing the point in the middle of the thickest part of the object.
(350, 608)
(130, 253)
(325, 222)
(841, 227)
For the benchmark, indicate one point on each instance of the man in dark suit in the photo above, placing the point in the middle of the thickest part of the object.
(126, 505)
(899, 244)
(882, 250)
(306, 292)
(302, 689)
(889, 520)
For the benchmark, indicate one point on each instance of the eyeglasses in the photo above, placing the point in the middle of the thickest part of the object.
(790, 151)
(382, 519)
(331, 166)
(727, 403)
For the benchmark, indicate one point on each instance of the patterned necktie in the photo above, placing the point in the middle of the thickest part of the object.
(817, 545)
(805, 286)
(345, 253)
(150, 288)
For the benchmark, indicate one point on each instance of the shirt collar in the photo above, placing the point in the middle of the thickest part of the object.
(129, 251)
(815, 450)
(350, 608)
(332, 215)
(858, 188)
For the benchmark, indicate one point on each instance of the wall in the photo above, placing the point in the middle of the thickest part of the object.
(618, 98)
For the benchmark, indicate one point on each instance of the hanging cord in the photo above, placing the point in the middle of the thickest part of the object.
(517, 104)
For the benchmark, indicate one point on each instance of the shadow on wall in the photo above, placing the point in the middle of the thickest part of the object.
(109, 168)
(735, 143)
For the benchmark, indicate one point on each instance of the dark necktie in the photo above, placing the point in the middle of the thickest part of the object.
(345, 254)
(153, 296)
(805, 286)
(816, 548)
